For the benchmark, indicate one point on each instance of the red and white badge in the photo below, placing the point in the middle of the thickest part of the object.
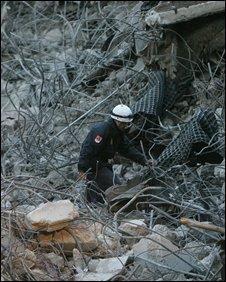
(98, 139)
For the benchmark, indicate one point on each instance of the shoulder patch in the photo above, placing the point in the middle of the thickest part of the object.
(98, 139)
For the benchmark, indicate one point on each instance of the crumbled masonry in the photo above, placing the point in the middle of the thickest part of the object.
(65, 66)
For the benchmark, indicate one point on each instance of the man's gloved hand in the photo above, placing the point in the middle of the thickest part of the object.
(82, 176)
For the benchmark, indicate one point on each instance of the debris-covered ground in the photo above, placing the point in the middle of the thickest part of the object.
(65, 65)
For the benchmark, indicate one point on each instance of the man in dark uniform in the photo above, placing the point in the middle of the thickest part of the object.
(99, 147)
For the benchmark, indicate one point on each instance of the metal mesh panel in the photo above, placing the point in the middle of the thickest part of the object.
(197, 131)
(151, 102)
(207, 121)
(162, 94)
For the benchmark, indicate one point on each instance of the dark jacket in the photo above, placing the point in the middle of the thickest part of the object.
(101, 144)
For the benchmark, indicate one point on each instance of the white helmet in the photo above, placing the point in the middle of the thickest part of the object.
(122, 113)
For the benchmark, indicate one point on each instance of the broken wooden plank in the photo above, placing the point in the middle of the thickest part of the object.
(204, 225)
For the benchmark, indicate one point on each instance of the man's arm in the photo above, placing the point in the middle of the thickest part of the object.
(128, 150)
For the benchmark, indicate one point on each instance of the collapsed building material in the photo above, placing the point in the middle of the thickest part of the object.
(103, 269)
(52, 216)
(104, 69)
(161, 95)
(187, 42)
(77, 235)
(101, 69)
(157, 249)
(194, 144)
(147, 111)
(135, 196)
(151, 102)
(172, 12)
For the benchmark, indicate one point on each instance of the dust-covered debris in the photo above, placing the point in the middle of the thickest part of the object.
(174, 11)
(65, 65)
(52, 216)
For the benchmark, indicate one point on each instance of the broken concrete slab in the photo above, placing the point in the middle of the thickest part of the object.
(135, 227)
(158, 249)
(103, 269)
(197, 249)
(212, 259)
(108, 264)
(164, 231)
(155, 245)
(172, 12)
(52, 216)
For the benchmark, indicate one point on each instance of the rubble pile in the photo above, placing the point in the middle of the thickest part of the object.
(65, 65)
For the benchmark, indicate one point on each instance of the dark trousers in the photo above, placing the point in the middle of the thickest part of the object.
(99, 182)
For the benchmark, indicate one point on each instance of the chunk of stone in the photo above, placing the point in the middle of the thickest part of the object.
(108, 264)
(79, 260)
(108, 244)
(52, 216)
(164, 231)
(155, 245)
(103, 269)
(157, 249)
(77, 235)
(181, 232)
(135, 227)
(56, 260)
(198, 249)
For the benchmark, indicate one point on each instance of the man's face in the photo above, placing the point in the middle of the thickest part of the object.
(123, 126)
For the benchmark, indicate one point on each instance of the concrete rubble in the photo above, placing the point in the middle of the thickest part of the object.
(65, 64)
(172, 12)
(160, 250)
(104, 269)
(77, 235)
(52, 216)
(134, 227)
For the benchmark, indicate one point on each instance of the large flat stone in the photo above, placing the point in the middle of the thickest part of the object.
(77, 235)
(157, 249)
(52, 216)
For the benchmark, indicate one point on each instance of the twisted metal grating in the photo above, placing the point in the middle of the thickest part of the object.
(152, 100)
(202, 130)
(161, 95)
